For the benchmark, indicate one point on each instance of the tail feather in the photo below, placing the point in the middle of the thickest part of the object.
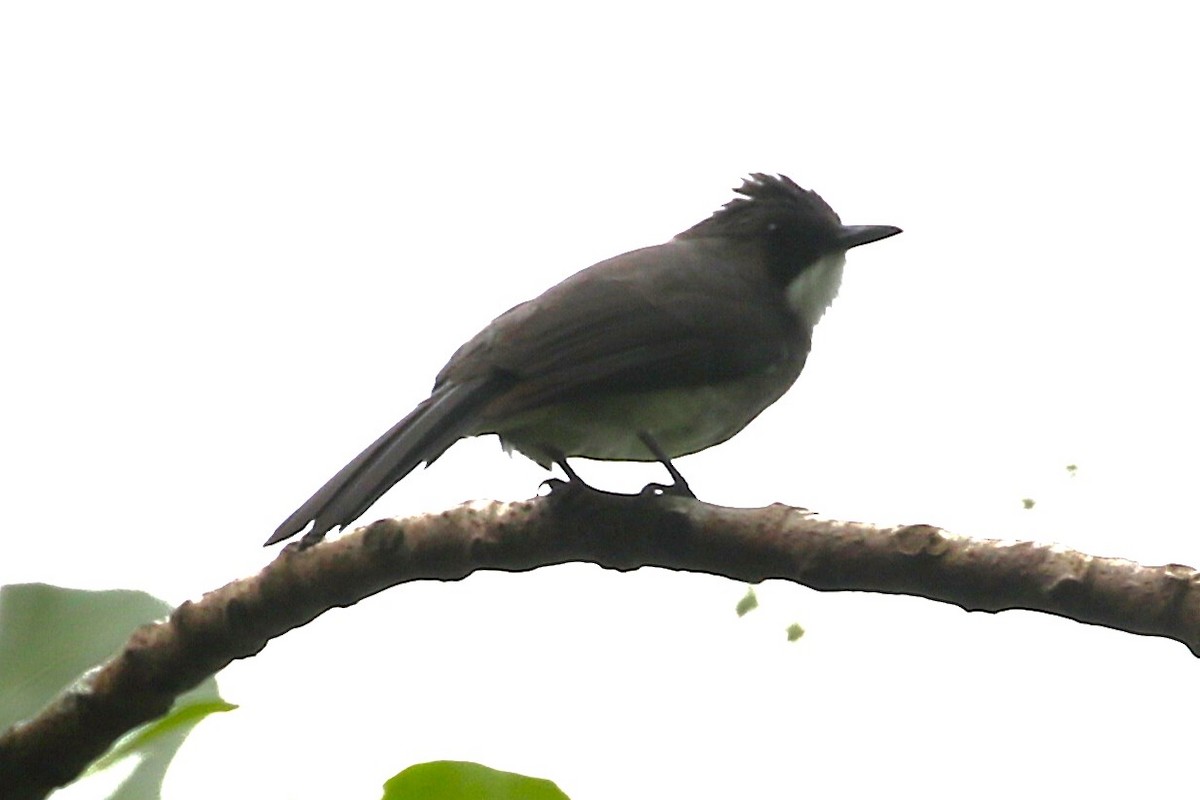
(422, 436)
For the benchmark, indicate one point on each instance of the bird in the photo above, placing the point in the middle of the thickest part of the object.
(647, 356)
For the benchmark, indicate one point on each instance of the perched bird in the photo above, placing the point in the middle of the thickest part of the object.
(653, 354)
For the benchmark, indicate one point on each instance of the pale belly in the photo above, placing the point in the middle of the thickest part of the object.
(607, 428)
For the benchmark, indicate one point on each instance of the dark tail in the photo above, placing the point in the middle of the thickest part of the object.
(422, 436)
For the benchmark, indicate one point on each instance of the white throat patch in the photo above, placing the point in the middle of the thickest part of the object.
(812, 291)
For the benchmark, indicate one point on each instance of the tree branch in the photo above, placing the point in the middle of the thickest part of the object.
(165, 659)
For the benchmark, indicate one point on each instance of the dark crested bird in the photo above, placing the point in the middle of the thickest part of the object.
(647, 356)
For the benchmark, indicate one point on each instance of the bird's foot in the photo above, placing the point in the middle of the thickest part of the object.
(679, 488)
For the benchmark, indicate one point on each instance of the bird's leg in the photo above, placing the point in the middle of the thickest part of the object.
(572, 475)
(680, 486)
(573, 480)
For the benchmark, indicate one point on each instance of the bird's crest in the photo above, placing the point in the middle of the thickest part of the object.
(766, 198)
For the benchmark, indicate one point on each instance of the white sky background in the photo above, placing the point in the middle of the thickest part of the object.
(239, 239)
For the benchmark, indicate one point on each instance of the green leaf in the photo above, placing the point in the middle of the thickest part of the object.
(181, 718)
(794, 632)
(1028, 503)
(463, 780)
(748, 603)
(50, 636)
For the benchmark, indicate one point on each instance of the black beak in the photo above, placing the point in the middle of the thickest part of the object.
(854, 235)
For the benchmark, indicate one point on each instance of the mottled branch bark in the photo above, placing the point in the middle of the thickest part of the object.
(165, 659)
